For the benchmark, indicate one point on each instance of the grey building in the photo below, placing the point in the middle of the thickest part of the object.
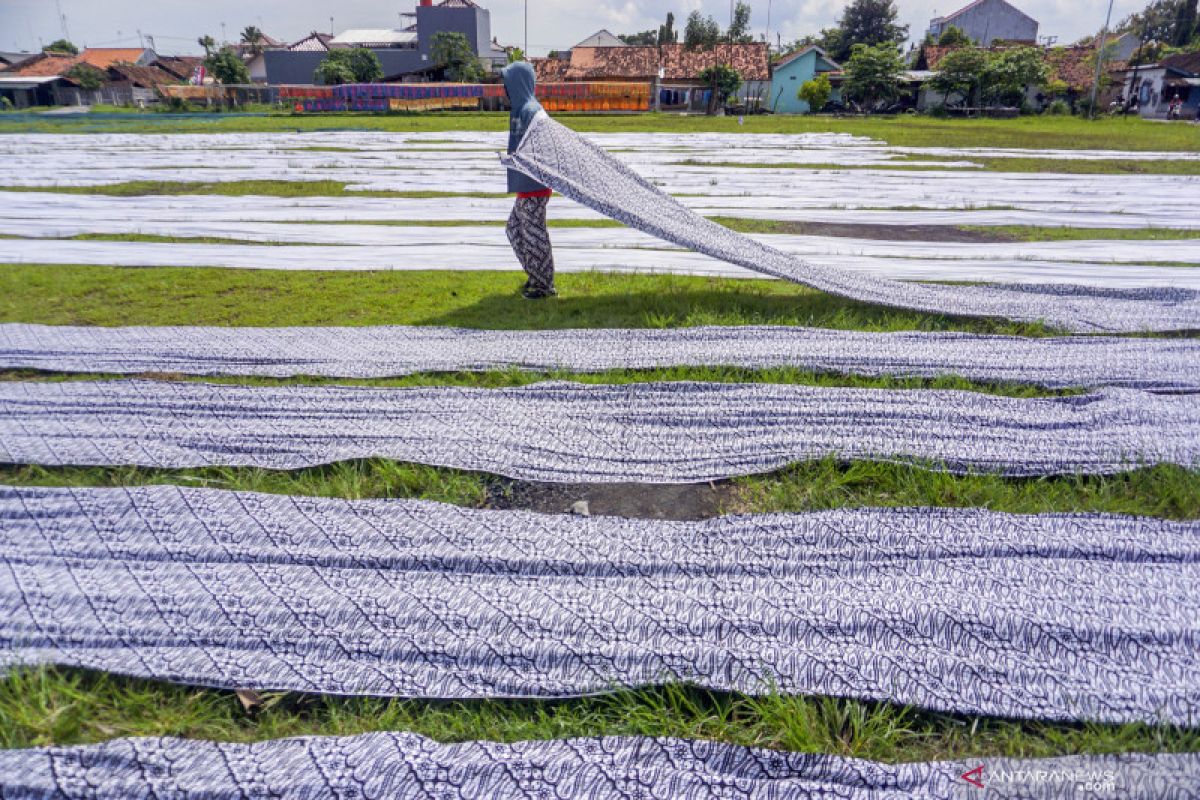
(402, 52)
(985, 21)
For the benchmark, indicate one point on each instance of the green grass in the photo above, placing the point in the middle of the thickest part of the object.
(495, 379)
(58, 706)
(88, 295)
(912, 131)
(1032, 233)
(1162, 491)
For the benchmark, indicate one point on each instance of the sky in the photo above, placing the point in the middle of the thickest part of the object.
(175, 26)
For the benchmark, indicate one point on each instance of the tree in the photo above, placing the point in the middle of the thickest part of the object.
(739, 26)
(869, 22)
(666, 32)
(701, 33)
(227, 67)
(516, 54)
(358, 65)
(816, 92)
(642, 38)
(954, 36)
(873, 73)
(453, 53)
(1009, 73)
(1154, 23)
(62, 46)
(960, 75)
(333, 71)
(88, 78)
(724, 80)
(252, 37)
(208, 43)
(1185, 23)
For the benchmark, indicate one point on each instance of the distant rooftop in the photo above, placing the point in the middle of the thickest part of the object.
(602, 38)
(385, 37)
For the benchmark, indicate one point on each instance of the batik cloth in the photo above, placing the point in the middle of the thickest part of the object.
(530, 240)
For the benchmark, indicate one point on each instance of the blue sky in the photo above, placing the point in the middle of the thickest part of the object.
(558, 24)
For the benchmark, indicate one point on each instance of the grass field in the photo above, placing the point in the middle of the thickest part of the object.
(1070, 133)
(40, 706)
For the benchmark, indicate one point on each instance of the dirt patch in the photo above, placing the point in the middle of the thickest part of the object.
(641, 501)
(893, 233)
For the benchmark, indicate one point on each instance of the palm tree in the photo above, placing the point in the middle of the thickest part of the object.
(208, 43)
(253, 37)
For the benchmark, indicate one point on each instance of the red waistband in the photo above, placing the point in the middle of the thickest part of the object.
(542, 193)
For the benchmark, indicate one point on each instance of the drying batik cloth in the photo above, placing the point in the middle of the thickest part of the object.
(560, 158)
(1059, 616)
(677, 432)
(405, 766)
(1084, 361)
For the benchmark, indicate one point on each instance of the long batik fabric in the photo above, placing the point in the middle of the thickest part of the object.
(567, 432)
(1155, 364)
(566, 162)
(1061, 616)
(405, 766)
(530, 241)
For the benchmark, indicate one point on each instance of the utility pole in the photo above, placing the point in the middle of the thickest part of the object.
(1100, 60)
(526, 30)
(768, 36)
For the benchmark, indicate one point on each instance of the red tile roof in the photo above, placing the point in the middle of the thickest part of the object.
(643, 63)
(146, 77)
(181, 67)
(105, 57)
(45, 65)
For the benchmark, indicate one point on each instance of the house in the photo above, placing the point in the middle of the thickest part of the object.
(602, 38)
(1123, 47)
(315, 42)
(13, 59)
(404, 52)
(1154, 85)
(126, 85)
(792, 72)
(672, 68)
(987, 20)
(36, 81)
(182, 68)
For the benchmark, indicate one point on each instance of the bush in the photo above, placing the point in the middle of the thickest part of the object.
(1059, 108)
(724, 80)
(358, 65)
(6, 104)
(453, 53)
(227, 67)
(88, 78)
(816, 92)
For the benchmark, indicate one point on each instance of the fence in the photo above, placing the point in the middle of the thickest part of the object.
(593, 96)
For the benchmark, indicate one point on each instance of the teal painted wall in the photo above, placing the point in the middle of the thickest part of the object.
(787, 80)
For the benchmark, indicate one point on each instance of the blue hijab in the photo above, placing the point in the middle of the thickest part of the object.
(519, 80)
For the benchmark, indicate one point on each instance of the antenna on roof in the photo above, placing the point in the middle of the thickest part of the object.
(62, 19)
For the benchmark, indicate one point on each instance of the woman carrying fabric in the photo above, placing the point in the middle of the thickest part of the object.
(526, 227)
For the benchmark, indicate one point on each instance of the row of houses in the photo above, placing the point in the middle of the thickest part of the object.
(138, 76)
(133, 77)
